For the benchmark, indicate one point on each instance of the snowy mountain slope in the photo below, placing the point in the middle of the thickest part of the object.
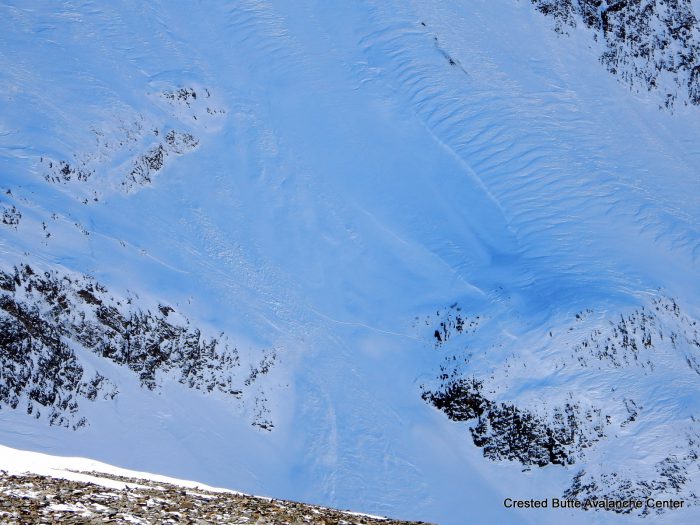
(45, 317)
(309, 178)
(74, 469)
(578, 393)
(650, 45)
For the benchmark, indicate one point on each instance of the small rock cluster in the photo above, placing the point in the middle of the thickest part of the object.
(9, 215)
(30, 498)
(151, 162)
(131, 149)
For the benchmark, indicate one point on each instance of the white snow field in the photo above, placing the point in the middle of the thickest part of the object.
(18, 462)
(321, 182)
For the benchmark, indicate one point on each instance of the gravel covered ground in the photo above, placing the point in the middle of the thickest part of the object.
(33, 499)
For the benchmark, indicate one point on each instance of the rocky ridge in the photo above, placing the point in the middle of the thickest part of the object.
(30, 498)
(45, 317)
(626, 355)
(649, 45)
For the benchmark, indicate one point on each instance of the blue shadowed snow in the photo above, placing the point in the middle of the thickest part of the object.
(347, 179)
